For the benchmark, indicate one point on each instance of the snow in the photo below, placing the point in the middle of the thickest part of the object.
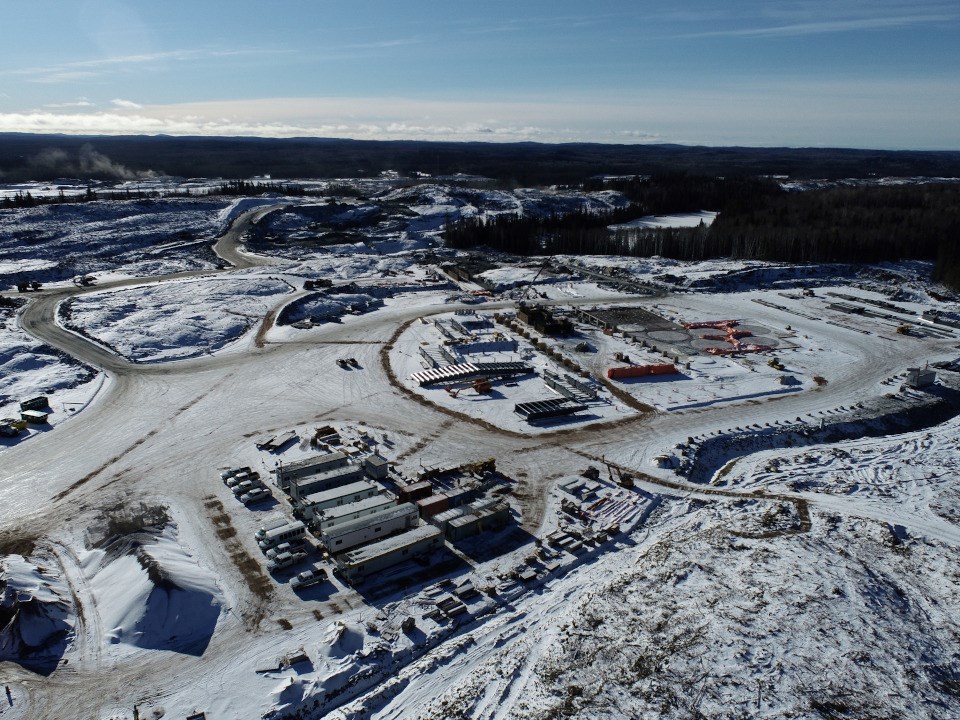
(29, 368)
(807, 581)
(180, 613)
(178, 320)
(94, 237)
(679, 220)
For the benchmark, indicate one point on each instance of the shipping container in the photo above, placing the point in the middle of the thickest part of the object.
(432, 505)
(632, 371)
(414, 492)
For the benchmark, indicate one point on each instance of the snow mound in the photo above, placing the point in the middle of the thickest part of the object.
(34, 615)
(155, 595)
(340, 641)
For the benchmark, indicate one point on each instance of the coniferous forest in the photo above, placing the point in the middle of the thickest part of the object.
(758, 220)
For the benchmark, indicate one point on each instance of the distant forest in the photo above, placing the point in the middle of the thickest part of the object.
(758, 221)
(48, 157)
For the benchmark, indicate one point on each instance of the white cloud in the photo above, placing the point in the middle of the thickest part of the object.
(126, 104)
(882, 114)
(81, 103)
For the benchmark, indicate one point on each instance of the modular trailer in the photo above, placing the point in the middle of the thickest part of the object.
(367, 529)
(336, 477)
(356, 566)
(331, 517)
(305, 468)
(335, 497)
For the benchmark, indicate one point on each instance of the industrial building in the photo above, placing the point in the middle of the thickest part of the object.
(331, 517)
(357, 565)
(469, 371)
(543, 320)
(334, 497)
(372, 527)
(478, 522)
(305, 468)
(299, 488)
(481, 515)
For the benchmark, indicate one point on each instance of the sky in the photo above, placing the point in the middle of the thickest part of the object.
(801, 73)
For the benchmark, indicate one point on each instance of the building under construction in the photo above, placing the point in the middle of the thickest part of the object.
(543, 320)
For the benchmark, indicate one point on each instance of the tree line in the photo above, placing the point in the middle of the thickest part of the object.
(758, 221)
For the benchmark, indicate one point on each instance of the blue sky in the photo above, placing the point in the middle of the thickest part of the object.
(847, 73)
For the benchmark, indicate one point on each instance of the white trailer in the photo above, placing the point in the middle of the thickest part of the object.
(310, 466)
(357, 565)
(327, 480)
(341, 538)
(335, 497)
(332, 517)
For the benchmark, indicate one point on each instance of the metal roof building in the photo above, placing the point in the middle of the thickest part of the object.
(467, 371)
(552, 407)
(359, 564)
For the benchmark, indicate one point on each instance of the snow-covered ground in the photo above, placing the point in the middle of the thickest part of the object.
(815, 581)
(175, 320)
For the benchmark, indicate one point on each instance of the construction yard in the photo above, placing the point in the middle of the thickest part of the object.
(433, 506)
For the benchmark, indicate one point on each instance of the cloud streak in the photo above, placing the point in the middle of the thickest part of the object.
(828, 26)
(97, 67)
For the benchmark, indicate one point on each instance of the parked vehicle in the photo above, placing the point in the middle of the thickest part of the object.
(284, 533)
(244, 474)
(233, 472)
(241, 488)
(271, 524)
(256, 495)
(308, 578)
(285, 560)
(295, 545)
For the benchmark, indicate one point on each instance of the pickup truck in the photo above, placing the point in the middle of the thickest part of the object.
(285, 560)
(308, 578)
(256, 495)
(232, 472)
(286, 547)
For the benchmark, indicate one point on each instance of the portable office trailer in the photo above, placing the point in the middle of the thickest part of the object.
(285, 533)
(34, 417)
(357, 565)
(310, 466)
(367, 529)
(36, 403)
(335, 497)
(335, 477)
(334, 516)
